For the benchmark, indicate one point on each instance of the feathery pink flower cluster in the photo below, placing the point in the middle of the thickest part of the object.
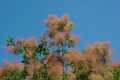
(92, 60)
(64, 20)
(8, 67)
(51, 60)
(33, 66)
(59, 38)
(115, 64)
(30, 70)
(70, 76)
(56, 67)
(74, 38)
(95, 77)
(73, 56)
(56, 71)
(53, 21)
(31, 42)
(10, 49)
(100, 49)
(108, 76)
(17, 66)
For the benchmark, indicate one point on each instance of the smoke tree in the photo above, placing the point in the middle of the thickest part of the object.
(53, 56)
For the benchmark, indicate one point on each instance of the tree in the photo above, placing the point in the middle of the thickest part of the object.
(53, 57)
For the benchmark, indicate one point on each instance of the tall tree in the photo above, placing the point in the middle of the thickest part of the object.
(53, 56)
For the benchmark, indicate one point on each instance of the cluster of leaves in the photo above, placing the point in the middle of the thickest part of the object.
(53, 57)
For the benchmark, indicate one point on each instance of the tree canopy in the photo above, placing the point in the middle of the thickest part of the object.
(53, 56)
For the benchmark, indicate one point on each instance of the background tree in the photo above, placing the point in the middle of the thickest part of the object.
(53, 57)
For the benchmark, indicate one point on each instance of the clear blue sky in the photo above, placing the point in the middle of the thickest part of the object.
(96, 20)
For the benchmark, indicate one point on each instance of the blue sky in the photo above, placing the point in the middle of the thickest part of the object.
(96, 20)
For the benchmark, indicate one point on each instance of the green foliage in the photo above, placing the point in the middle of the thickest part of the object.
(70, 26)
(10, 41)
(41, 74)
(116, 73)
(14, 75)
